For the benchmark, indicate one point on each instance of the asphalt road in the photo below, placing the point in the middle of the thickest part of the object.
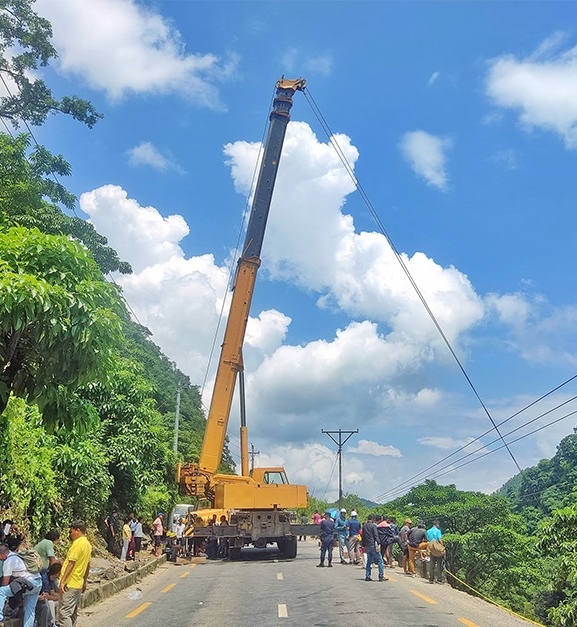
(265, 589)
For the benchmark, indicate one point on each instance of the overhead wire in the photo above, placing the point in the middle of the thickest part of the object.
(522, 437)
(421, 474)
(330, 477)
(381, 226)
(450, 467)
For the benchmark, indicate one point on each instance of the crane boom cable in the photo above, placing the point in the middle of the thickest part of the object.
(403, 265)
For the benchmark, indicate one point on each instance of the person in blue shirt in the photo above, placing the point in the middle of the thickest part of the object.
(353, 544)
(341, 529)
(327, 534)
(436, 552)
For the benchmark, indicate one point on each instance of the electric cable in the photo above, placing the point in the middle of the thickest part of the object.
(409, 482)
(330, 477)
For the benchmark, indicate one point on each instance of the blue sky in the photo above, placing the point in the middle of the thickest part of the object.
(460, 120)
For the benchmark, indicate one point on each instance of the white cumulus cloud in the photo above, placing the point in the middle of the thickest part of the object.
(366, 447)
(123, 47)
(427, 156)
(147, 154)
(542, 88)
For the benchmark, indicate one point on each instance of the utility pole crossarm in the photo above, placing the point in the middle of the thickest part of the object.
(340, 443)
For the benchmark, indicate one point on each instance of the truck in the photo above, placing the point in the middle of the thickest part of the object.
(257, 507)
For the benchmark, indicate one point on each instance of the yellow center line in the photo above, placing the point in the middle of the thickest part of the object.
(422, 596)
(192, 565)
(392, 578)
(137, 611)
(169, 587)
(467, 622)
(282, 610)
(185, 575)
(279, 576)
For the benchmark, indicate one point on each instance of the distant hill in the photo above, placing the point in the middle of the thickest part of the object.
(548, 486)
(367, 503)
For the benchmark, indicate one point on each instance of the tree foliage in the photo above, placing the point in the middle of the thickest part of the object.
(58, 320)
(30, 196)
(25, 48)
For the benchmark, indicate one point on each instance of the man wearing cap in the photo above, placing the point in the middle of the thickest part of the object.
(404, 544)
(327, 538)
(341, 529)
(157, 531)
(353, 529)
(371, 544)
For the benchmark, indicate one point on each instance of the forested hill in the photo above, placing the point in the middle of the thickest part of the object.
(550, 485)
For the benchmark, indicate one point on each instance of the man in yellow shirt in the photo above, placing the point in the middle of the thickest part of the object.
(74, 574)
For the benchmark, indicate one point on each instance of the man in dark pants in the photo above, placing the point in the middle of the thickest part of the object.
(371, 544)
(327, 540)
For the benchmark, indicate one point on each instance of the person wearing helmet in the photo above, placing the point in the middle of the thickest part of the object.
(341, 529)
(353, 544)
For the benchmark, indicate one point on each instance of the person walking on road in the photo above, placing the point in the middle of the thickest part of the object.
(157, 533)
(371, 545)
(74, 575)
(341, 529)
(327, 532)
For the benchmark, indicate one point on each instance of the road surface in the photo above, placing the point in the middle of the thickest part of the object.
(265, 589)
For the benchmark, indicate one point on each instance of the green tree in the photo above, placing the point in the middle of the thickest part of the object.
(24, 48)
(558, 538)
(58, 322)
(30, 196)
(28, 481)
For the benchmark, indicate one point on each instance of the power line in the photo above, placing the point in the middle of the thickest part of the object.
(408, 482)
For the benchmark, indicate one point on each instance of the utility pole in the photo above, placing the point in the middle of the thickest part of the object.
(252, 454)
(340, 442)
(176, 418)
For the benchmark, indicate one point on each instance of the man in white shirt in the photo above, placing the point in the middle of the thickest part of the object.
(13, 566)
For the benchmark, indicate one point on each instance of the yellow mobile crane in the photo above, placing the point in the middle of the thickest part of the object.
(259, 504)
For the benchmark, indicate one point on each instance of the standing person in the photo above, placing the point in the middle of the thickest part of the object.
(353, 530)
(126, 537)
(74, 574)
(13, 566)
(112, 528)
(45, 550)
(157, 531)
(404, 544)
(417, 541)
(180, 527)
(138, 535)
(436, 552)
(327, 532)
(317, 518)
(341, 529)
(371, 545)
(304, 521)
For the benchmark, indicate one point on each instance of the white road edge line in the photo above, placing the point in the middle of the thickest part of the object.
(282, 610)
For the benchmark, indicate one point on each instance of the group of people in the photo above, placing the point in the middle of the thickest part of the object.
(36, 584)
(375, 539)
(126, 541)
